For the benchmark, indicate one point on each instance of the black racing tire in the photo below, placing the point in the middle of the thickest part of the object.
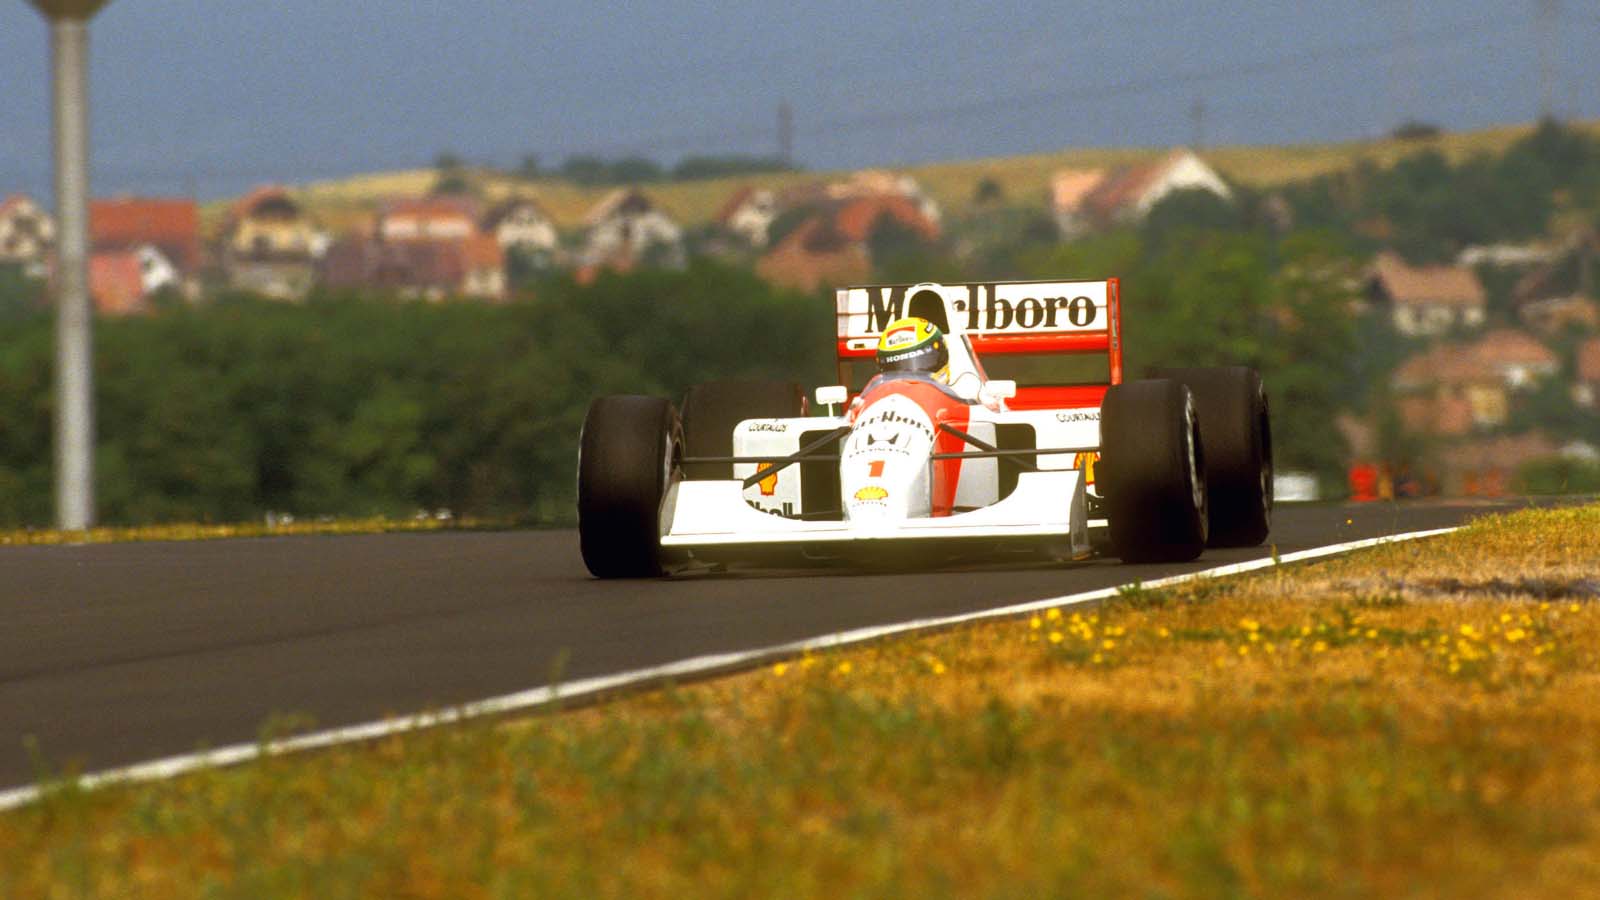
(628, 455)
(712, 410)
(1150, 472)
(1237, 433)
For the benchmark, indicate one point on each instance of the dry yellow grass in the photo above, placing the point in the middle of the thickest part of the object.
(344, 203)
(1416, 719)
(194, 531)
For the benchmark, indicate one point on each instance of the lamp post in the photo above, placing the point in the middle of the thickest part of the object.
(74, 449)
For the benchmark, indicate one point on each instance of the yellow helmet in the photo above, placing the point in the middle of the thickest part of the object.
(913, 344)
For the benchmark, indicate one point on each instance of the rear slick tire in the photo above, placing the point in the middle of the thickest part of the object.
(628, 456)
(1237, 433)
(1150, 472)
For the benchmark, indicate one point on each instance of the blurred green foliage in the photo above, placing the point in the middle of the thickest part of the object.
(370, 406)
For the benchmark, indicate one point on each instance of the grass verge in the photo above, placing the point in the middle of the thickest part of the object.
(1419, 718)
(191, 531)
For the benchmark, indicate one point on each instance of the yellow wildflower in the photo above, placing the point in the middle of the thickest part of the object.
(1053, 614)
(844, 668)
(1108, 645)
(1035, 623)
(779, 668)
(1055, 637)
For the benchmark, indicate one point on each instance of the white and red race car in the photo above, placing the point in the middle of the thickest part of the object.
(1032, 442)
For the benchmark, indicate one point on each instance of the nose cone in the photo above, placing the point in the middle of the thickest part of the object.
(883, 469)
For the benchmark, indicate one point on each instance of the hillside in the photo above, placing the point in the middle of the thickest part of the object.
(343, 203)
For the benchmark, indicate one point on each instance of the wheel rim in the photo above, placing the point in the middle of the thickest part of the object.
(1196, 481)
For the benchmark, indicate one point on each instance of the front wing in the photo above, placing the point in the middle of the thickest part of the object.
(1047, 508)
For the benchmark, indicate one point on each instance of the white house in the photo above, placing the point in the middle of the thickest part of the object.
(1427, 300)
(626, 228)
(520, 223)
(155, 270)
(27, 233)
(749, 214)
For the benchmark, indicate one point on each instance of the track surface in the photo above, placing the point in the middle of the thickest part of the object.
(118, 653)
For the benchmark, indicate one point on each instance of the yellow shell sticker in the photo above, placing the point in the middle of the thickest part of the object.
(871, 492)
(769, 485)
(1085, 462)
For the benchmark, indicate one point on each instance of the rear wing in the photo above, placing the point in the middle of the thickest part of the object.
(997, 317)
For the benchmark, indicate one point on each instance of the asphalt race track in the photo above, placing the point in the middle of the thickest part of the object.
(118, 653)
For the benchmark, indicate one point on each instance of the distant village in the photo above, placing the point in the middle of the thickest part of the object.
(446, 245)
(1459, 392)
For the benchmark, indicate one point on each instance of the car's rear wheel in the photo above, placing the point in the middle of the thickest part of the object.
(628, 456)
(712, 410)
(1151, 472)
(1237, 434)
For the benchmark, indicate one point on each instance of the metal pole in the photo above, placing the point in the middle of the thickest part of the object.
(69, 49)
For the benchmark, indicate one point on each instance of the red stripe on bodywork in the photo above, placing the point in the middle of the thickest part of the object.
(940, 408)
(1058, 396)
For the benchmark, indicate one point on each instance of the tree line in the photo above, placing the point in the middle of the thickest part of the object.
(351, 405)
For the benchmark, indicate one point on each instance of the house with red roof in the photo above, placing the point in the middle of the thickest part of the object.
(1086, 199)
(27, 235)
(1454, 389)
(116, 283)
(883, 183)
(432, 218)
(1426, 300)
(270, 245)
(170, 224)
(833, 246)
(423, 269)
(1586, 384)
(815, 255)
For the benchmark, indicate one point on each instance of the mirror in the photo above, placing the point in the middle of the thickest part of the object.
(1001, 388)
(833, 394)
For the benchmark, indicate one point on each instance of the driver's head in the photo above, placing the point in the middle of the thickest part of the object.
(913, 344)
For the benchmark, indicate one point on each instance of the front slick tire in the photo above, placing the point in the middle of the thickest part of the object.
(627, 457)
(1151, 473)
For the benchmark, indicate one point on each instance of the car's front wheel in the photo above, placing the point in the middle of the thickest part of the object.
(628, 456)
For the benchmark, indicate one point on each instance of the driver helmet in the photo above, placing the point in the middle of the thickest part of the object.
(913, 344)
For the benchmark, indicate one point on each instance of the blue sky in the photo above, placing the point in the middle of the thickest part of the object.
(217, 95)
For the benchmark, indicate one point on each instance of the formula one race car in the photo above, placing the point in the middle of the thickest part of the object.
(920, 455)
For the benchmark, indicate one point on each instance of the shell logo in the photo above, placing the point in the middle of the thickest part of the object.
(769, 485)
(871, 492)
(1086, 461)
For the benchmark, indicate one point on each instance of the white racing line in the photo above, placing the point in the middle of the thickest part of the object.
(533, 698)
